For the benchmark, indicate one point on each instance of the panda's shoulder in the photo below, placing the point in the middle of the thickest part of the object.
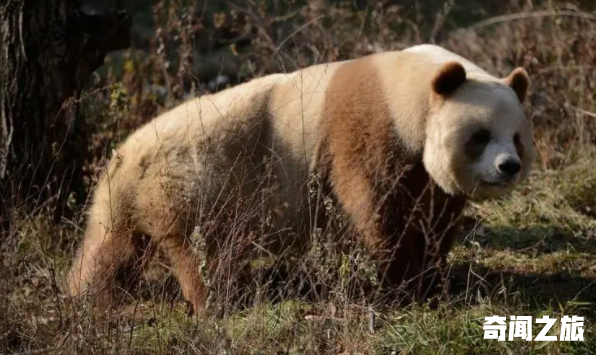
(438, 55)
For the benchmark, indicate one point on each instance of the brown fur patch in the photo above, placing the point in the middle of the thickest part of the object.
(475, 145)
(519, 146)
(519, 81)
(405, 220)
(449, 77)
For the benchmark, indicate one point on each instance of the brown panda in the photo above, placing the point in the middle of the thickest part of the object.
(402, 139)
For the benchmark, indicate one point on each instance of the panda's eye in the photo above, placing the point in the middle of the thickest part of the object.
(516, 139)
(481, 137)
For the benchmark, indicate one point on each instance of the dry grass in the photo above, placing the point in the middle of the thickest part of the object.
(531, 253)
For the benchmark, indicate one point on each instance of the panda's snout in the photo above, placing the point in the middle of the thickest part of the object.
(509, 167)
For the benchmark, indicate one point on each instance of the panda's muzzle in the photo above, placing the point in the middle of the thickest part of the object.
(506, 173)
(497, 183)
(509, 167)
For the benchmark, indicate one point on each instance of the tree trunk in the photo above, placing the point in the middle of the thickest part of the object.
(48, 49)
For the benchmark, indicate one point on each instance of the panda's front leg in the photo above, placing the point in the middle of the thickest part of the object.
(399, 259)
(395, 252)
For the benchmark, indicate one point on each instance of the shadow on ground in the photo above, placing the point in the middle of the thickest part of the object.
(536, 289)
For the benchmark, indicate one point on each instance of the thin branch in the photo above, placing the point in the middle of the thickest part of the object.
(296, 32)
(527, 15)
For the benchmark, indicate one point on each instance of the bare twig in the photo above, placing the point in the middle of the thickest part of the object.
(528, 15)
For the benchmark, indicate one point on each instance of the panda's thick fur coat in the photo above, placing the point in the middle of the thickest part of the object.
(399, 139)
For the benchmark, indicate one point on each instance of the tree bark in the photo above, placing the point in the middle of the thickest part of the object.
(48, 49)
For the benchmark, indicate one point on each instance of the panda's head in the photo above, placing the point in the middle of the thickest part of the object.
(478, 139)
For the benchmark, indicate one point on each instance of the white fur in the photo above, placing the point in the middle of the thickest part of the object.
(440, 55)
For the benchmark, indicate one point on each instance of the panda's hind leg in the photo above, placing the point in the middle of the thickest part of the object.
(186, 267)
(109, 245)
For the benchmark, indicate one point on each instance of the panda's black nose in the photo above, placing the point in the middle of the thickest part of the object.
(510, 167)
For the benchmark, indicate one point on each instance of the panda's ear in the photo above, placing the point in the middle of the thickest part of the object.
(519, 81)
(448, 78)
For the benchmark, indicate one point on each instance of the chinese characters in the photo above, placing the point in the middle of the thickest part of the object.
(495, 327)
